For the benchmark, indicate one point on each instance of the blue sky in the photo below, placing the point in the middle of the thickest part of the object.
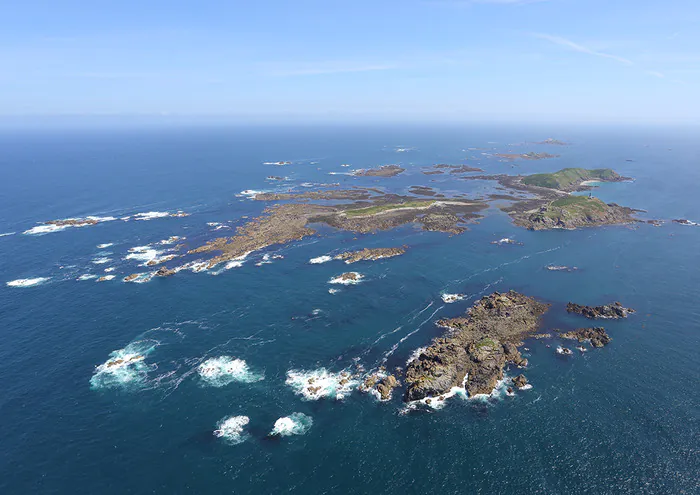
(472, 60)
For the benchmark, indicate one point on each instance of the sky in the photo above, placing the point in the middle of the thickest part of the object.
(409, 61)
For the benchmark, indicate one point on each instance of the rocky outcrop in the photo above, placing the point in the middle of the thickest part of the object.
(520, 381)
(574, 212)
(477, 349)
(609, 311)
(381, 383)
(369, 254)
(165, 272)
(383, 171)
(131, 278)
(598, 337)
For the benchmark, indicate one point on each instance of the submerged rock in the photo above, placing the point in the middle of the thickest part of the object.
(610, 311)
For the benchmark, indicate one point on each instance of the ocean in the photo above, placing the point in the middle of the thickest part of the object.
(241, 344)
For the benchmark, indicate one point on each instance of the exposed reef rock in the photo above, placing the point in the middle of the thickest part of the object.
(383, 171)
(380, 383)
(164, 272)
(574, 212)
(73, 222)
(422, 191)
(477, 348)
(457, 169)
(608, 311)
(597, 336)
(684, 221)
(370, 254)
(520, 381)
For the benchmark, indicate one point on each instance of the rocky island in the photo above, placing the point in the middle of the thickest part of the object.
(369, 254)
(526, 156)
(554, 142)
(477, 348)
(571, 179)
(608, 311)
(573, 212)
(383, 171)
(598, 337)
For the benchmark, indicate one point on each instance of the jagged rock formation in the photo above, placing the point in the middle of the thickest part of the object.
(478, 347)
(609, 311)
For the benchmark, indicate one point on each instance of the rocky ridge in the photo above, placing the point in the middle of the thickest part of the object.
(477, 347)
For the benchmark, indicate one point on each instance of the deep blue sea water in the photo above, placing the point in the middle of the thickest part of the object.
(622, 419)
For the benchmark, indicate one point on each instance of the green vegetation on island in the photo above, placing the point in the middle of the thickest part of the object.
(572, 212)
(570, 179)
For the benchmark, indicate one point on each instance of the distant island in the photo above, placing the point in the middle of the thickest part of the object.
(383, 171)
(526, 156)
(553, 141)
(571, 179)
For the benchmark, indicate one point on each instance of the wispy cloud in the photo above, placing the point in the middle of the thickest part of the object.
(484, 2)
(655, 73)
(327, 68)
(571, 45)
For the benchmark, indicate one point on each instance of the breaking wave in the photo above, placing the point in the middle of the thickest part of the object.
(27, 282)
(126, 367)
(294, 424)
(222, 370)
(320, 259)
(232, 428)
(321, 383)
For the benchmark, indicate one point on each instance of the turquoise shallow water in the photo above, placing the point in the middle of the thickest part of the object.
(622, 419)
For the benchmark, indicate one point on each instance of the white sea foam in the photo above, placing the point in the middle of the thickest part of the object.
(250, 193)
(526, 387)
(101, 261)
(171, 240)
(321, 383)
(106, 278)
(45, 229)
(78, 222)
(105, 246)
(27, 282)
(415, 355)
(110, 269)
(87, 276)
(125, 368)
(143, 253)
(141, 278)
(7, 233)
(450, 298)
(333, 291)
(294, 424)
(232, 428)
(340, 280)
(222, 370)
(151, 215)
(320, 259)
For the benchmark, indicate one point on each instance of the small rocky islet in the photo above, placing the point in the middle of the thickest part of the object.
(607, 311)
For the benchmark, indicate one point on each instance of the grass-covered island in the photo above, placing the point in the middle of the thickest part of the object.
(572, 212)
(571, 179)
